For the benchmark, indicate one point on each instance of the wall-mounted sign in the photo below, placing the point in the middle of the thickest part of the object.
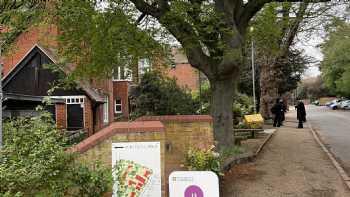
(193, 184)
(137, 170)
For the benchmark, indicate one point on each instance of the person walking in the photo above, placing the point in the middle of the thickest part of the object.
(301, 113)
(277, 110)
(284, 110)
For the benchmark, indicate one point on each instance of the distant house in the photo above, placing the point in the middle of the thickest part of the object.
(90, 105)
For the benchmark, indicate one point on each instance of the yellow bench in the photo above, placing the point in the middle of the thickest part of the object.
(254, 121)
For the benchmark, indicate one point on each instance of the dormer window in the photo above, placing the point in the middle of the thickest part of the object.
(122, 73)
(144, 65)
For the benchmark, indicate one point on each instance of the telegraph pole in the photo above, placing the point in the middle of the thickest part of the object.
(1, 93)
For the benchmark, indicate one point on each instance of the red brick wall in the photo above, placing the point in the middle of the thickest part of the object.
(185, 75)
(61, 115)
(98, 118)
(41, 34)
(120, 90)
(105, 87)
(88, 116)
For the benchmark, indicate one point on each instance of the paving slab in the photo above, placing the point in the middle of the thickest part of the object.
(292, 164)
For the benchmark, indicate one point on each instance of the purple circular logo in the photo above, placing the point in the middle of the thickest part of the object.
(194, 191)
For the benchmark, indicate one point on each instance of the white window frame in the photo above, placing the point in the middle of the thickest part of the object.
(119, 105)
(126, 73)
(106, 110)
(144, 65)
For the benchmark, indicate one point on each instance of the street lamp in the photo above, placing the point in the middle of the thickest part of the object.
(253, 71)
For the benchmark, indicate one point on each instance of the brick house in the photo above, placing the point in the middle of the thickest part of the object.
(90, 105)
(26, 82)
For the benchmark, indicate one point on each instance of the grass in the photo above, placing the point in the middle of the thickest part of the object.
(230, 151)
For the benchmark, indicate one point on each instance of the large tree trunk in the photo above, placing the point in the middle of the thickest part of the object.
(221, 110)
(268, 89)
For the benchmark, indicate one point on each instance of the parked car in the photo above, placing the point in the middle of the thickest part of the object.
(317, 102)
(345, 104)
(335, 104)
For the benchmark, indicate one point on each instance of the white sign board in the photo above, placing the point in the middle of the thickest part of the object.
(193, 184)
(137, 170)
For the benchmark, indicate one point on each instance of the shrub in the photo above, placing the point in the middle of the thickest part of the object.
(159, 95)
(33, 162)
(203, 160)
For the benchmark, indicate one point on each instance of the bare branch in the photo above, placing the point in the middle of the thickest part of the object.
(249, 10)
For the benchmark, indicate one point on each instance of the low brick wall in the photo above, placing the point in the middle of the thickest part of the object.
(98, 147)
(175, 133)
(181, 133)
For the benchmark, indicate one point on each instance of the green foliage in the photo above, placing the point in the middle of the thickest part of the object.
(230, 151)
(292, 69)
(159, 95)
(243, 105)
(34, 162)
(97, 40)
(204, 98)
(203, 160)
(272, 28)
(16, 17)
(267, 32)
(335, 67)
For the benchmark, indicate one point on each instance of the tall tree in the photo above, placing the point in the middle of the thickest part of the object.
(335, 67)
(212, 34)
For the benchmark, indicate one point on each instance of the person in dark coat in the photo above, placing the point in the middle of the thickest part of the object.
(277, 110)
(284, 110)
(301, 113)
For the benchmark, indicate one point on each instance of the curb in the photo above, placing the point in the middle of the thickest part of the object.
(345, 177)
(264, 143)
(245, 158)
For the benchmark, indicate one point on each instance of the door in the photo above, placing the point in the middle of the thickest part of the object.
(75, 112)
(75, 117)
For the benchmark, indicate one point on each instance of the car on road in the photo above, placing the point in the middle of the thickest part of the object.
(345, 104)
(317, 102)
(335, 104)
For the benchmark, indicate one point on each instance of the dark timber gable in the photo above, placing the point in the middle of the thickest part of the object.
(30, 77)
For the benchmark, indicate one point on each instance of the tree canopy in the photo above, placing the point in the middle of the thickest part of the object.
(212, 34)
(335, 67)
(97, 41)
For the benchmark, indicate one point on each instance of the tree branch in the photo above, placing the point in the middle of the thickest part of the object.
(146, 8)
(249, 10)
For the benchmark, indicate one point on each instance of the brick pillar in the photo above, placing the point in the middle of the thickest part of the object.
(61, 115)
(88, 116)
(121, 90)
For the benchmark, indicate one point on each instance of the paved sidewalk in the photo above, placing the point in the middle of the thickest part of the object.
(292, 164)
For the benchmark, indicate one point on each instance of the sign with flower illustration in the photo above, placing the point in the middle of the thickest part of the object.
(136, 169)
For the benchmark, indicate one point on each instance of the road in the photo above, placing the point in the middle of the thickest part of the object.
(334, 128)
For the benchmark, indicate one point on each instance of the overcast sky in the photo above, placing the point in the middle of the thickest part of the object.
(310, 45)
(311, 49)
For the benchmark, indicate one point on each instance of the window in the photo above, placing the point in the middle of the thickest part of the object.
(122, 74)
(71, 100)
(144, 65)
(105, 110)
(118, 106)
